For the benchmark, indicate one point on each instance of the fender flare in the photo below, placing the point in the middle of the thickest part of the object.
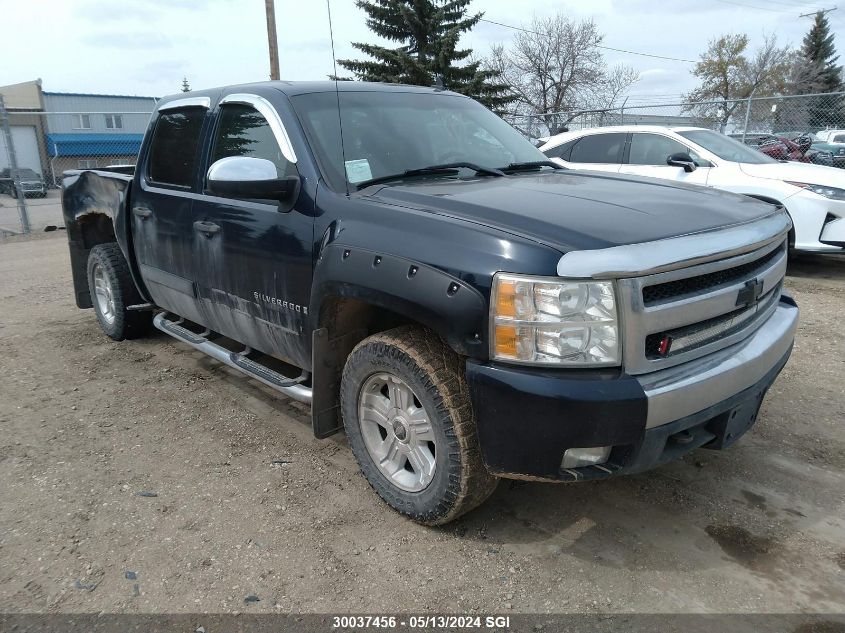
(449, 306)
(91, 196)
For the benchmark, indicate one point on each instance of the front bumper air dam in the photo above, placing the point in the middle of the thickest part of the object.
(528, 418)
(833, 233)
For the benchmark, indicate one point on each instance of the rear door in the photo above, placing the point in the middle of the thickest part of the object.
(254, 256)
(161, 206)
(647, 156)
(598, 152)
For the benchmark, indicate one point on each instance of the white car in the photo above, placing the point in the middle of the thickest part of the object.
(831, 136)
(814, 195)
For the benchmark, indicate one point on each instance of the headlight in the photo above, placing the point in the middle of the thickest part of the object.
(551, 321)
(834, 193)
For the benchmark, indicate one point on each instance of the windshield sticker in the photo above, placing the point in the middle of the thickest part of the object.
(358, 170)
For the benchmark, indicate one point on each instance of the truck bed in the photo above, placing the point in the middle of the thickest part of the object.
(94, 205)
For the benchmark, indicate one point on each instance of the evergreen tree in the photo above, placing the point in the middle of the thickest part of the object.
(819, 72)
(186, 87)
(429, 31)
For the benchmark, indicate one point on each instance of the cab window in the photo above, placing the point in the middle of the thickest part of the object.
(243, 131)
(173, 149)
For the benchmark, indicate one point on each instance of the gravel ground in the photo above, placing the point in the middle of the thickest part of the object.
(144, 477)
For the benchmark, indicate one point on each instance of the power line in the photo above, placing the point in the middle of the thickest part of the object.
(756, 8)
(801, 5)
(608, 48)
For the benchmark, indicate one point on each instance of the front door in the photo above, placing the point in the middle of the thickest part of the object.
(253, 257)
(161, 209)
(647, 156)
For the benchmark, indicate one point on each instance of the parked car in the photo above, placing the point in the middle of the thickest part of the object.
(797, 148)
(464, 308)
(771, 145)
(831, 136)
(820, 156)
(31, 183)
(836, 148)
(814, 195)
(818, 151)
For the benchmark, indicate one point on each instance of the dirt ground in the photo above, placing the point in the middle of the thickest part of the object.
(42, 212)
(144, 477)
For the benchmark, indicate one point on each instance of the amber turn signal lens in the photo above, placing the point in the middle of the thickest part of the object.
(506, 341)
(506, 299)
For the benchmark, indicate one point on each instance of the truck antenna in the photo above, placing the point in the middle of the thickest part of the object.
(337, 95)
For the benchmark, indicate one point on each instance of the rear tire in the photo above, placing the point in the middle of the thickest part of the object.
(112, 291)
(409, 420)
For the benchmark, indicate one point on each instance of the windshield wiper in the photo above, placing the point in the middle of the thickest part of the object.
(433, 170)
(531, 165)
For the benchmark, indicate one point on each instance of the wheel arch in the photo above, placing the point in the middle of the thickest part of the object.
(95, 212)
(358, 293)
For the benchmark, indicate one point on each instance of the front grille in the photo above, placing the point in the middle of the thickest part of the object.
(696, 307)
(688, 338)
(703, 283)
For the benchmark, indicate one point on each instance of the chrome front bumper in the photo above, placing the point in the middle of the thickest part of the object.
(686, 389)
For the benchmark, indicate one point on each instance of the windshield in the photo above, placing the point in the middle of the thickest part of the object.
(726, 147)
(387, 133)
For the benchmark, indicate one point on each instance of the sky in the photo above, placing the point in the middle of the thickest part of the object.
(146, 47)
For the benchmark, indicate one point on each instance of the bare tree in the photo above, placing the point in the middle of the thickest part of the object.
(555, 65)
(618, 79)
(729, 76)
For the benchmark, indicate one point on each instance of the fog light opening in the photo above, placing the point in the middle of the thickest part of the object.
(577, 457)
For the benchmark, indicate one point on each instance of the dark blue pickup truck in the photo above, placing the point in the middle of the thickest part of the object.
(407, 263)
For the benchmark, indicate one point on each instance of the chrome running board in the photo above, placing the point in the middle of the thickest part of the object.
(291, 387)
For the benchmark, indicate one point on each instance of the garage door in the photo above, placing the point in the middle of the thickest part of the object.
(26, 148)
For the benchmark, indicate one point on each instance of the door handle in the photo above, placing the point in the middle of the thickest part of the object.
(209, 228)
(142, 212)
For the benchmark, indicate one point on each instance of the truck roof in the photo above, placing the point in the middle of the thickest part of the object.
(292, 88)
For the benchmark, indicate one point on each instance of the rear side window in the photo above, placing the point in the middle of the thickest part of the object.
(599, 148)
(173, 151)
(839, 138)
(563, 151)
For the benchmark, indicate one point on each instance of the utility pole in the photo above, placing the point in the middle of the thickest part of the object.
(272, 40)
(813, 14)
(13, 164)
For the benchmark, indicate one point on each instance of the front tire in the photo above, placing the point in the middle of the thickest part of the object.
(409, 420)
(113, 291)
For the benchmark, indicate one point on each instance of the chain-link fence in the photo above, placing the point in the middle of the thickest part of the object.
(75, 131)
(787, 116)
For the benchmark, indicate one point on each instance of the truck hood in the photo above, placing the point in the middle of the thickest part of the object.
(579, 210)
(797, 172)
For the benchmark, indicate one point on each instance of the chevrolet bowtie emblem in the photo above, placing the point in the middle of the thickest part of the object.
(750, 293)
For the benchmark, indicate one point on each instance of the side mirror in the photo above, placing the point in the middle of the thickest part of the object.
(682, 159)
(248, 177)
